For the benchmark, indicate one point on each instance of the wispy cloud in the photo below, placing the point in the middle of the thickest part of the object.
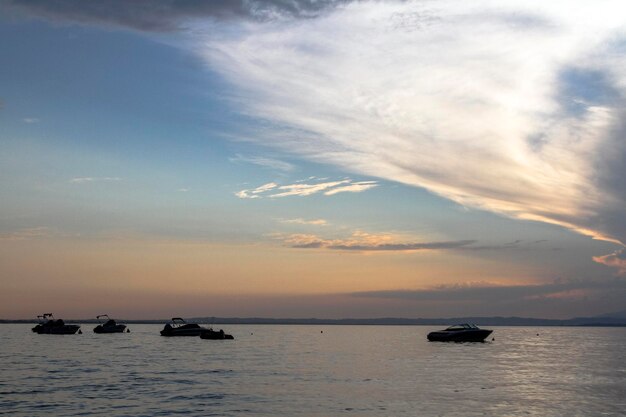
(360, 241)
(404, 246)
(494, 293)
(27, 233)
(270, 163)
(356, 187)
(302, 189)
(616, 260)
(256, 192)
(369, 242)
(306, 189)
(315, 222)
(30, 120)
(167, 15)
(523, 117)
(81, 180)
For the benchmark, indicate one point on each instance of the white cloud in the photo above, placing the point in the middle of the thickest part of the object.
(244, 194)
(315, 222)
(508, 106)
(30, 120)
(265, 187)
(82, 180)
(356, 187)
(255, 192)
(369, 242)
(306, 189)
(299, 188)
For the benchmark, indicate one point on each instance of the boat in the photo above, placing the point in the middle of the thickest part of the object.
(460, 333)
(109, 326)
(211, 334)
(48, 325)
(179, 327)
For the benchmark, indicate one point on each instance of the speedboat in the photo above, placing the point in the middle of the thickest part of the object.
(460, 333)
(108, 326)
(179, 327)
(211, 334)
(48, 325)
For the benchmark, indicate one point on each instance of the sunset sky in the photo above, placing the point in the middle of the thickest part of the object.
(324, 159)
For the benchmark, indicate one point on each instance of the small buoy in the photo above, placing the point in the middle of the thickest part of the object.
(251, 334)
(321, 331)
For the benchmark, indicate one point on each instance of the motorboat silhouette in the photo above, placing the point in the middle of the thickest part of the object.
(460, 333)
(179, 327)
(48, 325)
(109, 326)
(211, 334)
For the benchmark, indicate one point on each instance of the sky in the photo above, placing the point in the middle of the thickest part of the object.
(329, 159)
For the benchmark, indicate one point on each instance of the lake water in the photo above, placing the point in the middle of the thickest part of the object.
(314, 371)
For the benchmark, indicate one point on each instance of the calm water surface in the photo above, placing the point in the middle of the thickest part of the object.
(300, 371)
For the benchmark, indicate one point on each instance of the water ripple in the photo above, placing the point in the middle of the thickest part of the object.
(298, 371)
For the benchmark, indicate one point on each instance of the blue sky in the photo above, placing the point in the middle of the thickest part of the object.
(301, 150)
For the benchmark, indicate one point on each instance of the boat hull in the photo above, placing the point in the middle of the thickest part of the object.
(118, 328)
(474, 335)
(65, 329)
(182, 332)
(213, 335)
(185, 330)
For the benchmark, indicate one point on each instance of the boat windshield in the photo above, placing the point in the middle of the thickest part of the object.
(464, 326)
(179, 322)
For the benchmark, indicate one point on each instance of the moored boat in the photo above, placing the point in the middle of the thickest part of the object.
(460, 333)
(211, 334)
(109, 326)
(48, 325)
(179, 327)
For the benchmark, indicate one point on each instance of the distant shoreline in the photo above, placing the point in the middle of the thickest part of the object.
(484, 321)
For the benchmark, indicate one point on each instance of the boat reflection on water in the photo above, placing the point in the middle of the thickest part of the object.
(48, 325)
(460, 333)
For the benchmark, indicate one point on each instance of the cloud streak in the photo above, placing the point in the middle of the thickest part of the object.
(166, 15)
(509, 108)
(491, 293)
(270, 163)
(83, 180)
(615, 260)
(369, 242)
(315, 222)
(303, 189)
(27, 234)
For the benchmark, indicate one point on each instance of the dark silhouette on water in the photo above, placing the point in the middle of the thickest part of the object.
(48, 325)
(179, 327)
(211, 334)
(109, 326)
(460, 333)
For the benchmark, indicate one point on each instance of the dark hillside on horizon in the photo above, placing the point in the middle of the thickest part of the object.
(611, 319)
